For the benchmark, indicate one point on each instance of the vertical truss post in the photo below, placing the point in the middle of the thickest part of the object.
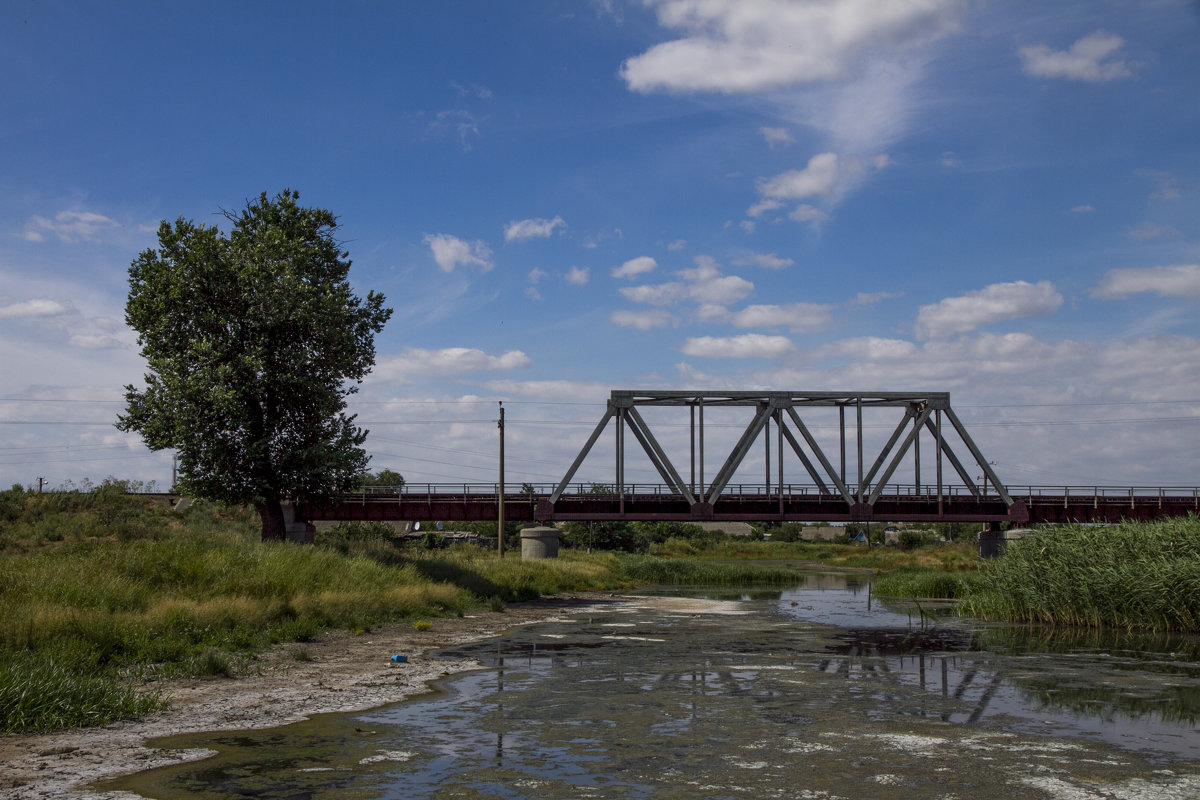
(700, 484)
(916, 454)
(621, 459)
(779, 450)
(767, 453)
(842, 429)
(692, 443)
(858, 440)
(937, 448)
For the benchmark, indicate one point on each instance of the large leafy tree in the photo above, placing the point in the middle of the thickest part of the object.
(253, 340)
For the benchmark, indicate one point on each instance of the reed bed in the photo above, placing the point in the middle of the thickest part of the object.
(1133, 576)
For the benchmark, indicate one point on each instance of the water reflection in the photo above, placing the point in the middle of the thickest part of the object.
(751, 694)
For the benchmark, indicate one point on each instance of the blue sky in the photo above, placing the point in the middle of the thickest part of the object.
(995, 199)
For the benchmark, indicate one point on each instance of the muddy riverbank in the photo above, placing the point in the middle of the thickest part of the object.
(338, 672)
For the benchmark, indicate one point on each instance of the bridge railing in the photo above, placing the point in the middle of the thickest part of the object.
(484, 492)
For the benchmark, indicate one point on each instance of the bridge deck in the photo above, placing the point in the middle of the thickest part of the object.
(749, 504)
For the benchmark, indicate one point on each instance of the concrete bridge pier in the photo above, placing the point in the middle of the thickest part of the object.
(991, 541)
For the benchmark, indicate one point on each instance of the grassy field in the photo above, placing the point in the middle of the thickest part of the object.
(101, 591)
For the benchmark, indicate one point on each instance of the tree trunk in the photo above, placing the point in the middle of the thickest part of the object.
(273, 527)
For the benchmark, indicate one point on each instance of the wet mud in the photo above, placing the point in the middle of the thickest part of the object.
(817, 692)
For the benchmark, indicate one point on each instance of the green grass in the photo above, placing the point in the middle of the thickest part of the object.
(925, 582)
(693, 572)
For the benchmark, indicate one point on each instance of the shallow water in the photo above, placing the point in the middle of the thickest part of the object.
(815, 692)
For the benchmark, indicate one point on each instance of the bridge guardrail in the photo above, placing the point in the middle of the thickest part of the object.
(486, 492)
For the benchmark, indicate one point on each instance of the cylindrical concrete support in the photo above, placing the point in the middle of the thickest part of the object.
(540, 542)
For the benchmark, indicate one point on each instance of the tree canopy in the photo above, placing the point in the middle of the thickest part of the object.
(253, 341)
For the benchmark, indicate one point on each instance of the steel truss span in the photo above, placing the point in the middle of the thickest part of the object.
(922, 416)
(885, 481)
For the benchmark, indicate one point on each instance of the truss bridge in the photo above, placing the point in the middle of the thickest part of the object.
(821, 460)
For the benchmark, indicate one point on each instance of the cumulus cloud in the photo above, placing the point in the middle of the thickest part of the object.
(994, 303)
(68, 226)
(796, 317)
(635, 266)
(817, 178)
(677, 245)
(643, 320)
(33, 308)
(532, 229)
(446, 362)
(1178, 281)
(765, 260)
(771, 44)
(536, 274)
(576, 276)
(705, 285)
(776, 137)
(1089, 59)
(748, 345)
(450, 252)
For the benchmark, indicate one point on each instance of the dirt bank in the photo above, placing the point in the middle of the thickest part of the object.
(339, 672)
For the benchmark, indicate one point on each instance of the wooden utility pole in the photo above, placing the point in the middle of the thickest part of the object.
(500, 492)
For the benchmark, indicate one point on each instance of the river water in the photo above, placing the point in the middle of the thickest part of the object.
(819, 691)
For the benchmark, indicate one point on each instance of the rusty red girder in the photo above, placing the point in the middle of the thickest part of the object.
(1033, 508)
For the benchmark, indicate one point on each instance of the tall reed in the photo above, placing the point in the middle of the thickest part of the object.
(1143, 576)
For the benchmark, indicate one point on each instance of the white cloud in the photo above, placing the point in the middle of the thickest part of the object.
(33, 308)
(806, 213)
(748, 345)
(69, 226)
(765, 260)
(532, 293)
(1151, 230)
(96, 342)
(763, 206)
(817, 178)
(662, 294)
(797, 317)
(871, 298)
(576, 276)
(1086, 60)
(536, 274)
(446, 362)
(776, 137)
(635, 266)
(1084, 209)
(994, 303)
(868, 348)
(532, 229)
(643, 320)
(1178, 281)
(450, 252)
(677, 245)
(771, 44)
(704, 284)
(1166, 185)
